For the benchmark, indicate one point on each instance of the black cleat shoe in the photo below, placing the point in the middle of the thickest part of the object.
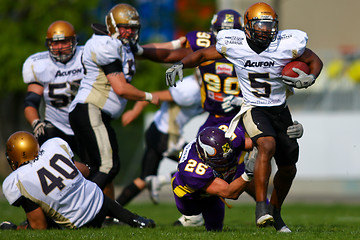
(142, 222)
(279, 224)
(263, 217)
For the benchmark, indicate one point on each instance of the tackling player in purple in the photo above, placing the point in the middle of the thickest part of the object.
(208, 170)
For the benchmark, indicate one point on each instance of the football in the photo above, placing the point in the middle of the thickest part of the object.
(287, 70)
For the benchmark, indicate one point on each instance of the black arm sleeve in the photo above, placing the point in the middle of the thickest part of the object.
(115, 66)
(32, 99)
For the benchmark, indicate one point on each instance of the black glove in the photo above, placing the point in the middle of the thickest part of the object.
(7, 226)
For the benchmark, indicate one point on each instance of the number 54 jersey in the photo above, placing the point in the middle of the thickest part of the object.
(59, 81)
(54, 183)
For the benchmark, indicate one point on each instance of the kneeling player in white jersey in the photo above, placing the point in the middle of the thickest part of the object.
(259, 53)
(52, 191)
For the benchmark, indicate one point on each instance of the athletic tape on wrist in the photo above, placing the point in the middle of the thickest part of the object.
(140, 50)
(176, 44)
(246, 177)
(148, 97)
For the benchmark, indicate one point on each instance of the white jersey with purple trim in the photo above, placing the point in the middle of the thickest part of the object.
(56, 78)
(172, 116)
(260, 74)
(101, 50)
(54, 183)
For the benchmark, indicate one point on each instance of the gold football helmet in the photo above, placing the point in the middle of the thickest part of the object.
(21, 147)
(65, 32)
(261, 24)
(123, 15)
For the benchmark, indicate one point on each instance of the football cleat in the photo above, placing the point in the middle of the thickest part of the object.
(265, 221)
(284, 229)
(190, 221)
(263, 217)
(142, 222)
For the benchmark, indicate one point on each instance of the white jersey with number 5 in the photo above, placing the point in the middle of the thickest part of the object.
(260, 74)
(56, 78)
(101, 50)
(54, 183)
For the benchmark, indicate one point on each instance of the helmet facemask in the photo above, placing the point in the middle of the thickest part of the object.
(65, 53)
(262, 32)
(61, 41)
(123, 23)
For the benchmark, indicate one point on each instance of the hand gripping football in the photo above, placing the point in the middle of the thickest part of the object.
(288, 69)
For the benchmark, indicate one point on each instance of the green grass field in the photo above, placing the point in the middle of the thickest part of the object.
(307, 221)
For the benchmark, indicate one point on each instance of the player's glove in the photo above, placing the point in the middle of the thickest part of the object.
(302, 81)
(8, 226)
(249, 161)
(230, 102)
(136, 48)
(176, 69)
(38, 128)
(296, 130)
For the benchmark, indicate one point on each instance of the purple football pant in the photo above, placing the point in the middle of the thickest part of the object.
(212, 209)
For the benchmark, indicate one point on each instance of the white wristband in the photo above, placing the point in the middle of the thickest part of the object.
(246, 177)
(148, 97)
(140, 50)
(176, 44)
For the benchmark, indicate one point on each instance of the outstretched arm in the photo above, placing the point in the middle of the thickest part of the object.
(192, 60)
(130, 115)
(223, 189)
(200, 56)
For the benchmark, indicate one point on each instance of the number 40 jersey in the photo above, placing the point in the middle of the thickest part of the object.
(54, 183)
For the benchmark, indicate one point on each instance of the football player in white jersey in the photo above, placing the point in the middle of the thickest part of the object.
(178, 106)
(104, 91)
(259, 53)
(53, 193)
(53, 75)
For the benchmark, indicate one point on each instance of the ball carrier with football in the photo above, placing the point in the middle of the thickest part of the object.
(297, 74)
(259, 54)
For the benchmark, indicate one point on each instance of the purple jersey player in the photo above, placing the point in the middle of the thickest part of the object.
(208, 170)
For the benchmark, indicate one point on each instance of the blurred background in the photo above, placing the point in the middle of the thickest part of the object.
(329, 163)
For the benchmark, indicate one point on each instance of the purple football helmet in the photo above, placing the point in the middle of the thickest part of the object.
(226, 19)
(215, 149)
